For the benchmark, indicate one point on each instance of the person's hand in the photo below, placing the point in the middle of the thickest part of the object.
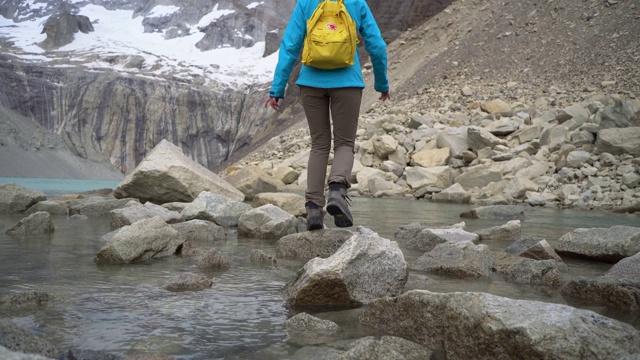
(384, 96)
(273, 102)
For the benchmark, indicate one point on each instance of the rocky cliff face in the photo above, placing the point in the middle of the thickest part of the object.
(123, 117)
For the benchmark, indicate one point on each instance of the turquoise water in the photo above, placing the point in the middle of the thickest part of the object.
(57, 187)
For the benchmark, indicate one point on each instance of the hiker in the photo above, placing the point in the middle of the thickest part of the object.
(330, 94)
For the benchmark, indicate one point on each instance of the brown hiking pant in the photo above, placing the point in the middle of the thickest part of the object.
(342, 105)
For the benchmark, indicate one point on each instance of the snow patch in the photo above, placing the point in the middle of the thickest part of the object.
(254, 4)
(163, 10)
(214, 15)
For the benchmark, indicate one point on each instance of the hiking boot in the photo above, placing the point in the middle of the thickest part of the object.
(338, 205)
(314, 217)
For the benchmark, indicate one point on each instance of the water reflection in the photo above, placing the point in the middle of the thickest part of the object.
(124, 310)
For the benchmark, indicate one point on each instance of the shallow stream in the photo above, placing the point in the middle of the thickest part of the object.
(124, 310)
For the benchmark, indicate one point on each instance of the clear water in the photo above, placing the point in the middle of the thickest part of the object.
(124, 310)
(57, 187)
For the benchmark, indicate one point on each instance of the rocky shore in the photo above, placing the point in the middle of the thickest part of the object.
(162, 211)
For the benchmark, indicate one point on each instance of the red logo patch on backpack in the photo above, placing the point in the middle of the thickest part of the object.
(332, 26)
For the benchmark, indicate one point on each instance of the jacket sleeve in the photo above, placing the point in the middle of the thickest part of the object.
(376, 47)
(290, 47)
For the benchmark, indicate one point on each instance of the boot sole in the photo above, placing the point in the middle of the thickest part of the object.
(339, 217)
(315, 227)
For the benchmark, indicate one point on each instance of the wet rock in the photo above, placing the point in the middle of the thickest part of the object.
(140, 241)
(387, 348)
(482, 326)
(289, 202)
(618, 288)
(428, 239)
(82, 354)
(317, 353)
(15, 198)
(167, 175)
(495, 212)
(267, 221)
(258, 257)
(52, 207)
(187, 282)
(304, 330)
(16, 339)
(36, 223)
(310, 244)
(606, 244)
(511, 231)
(213, 259)
(220, 209)
(527, 271)
(201, 231)
(134, 211)
(99, 207)
(364, 268)
(542, 250)
(463, 260)
(7, 354)
(520, 245)
(24, 301)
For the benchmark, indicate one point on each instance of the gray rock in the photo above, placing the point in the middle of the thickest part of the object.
(576, 159)
(187, 282)
(527, 271)
(511, 231)
(220, 209)
(289, 202)
(98, 207)
(36, 223)
(366, 267)
(553, 136)
(455, 139)
(478, 176)
(83, 354)
(619, 141)
(427, 239)
(502, 127)
(258, 257)
(60, 29)
(618, 288)
(440, 177)
(577, 112)
(495, 212)
(317, 353)
(304, 330)
(272, 42)
(622, 114)
(24, 301)
(213, 259)
(267, 221)
(140, 241)
(409, 231)
(52, 207)
(480, 138)
(15, 198)
(310, 244)
(135, 211)
(167, 175)
(252, 180)
(16, 339)
(484, 326)
(607, 244)
(201, 231)
(542, 250)
(454, 194)
(7, 354)
(463, 260)
(387, 348)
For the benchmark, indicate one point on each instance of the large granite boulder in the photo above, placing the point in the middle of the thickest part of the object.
(36, 223)
(427, 239)
(167, 175)
(478, 176)
(15, 198)
(527, 271)
(267, 222)
(484, 326)
(440, 177)
(187, 282)
(140, 241)
(24, 301)
(619, 287)
(606, 244)
(619, 141)
(509, 232)
(512, 212)
(310, 244)
(52, 207)
(387, 348)
(365, 267)
(98, 206)
(7, 354)
(622, 114)
(220, 209)
(214, 260)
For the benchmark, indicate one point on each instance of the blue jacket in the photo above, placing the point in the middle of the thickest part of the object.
(351, 76)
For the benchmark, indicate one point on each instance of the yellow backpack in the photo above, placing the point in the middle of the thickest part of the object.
(331, 37)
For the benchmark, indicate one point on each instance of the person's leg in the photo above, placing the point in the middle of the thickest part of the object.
(345, 110)
(316, 107)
